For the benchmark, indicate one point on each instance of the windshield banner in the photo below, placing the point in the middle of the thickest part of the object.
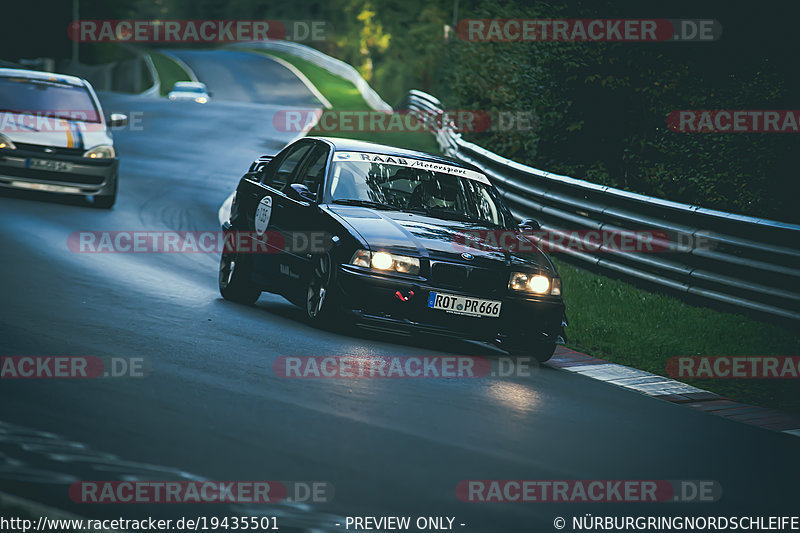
(386, 159)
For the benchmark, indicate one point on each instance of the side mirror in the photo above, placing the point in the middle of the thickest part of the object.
(298, 191)
(117, 120)
(529, 224)
(210, 94)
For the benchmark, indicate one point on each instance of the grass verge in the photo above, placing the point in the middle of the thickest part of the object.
(168, 71)
(616, 321)
(344, 96)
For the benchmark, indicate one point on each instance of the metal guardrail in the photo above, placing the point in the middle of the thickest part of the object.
(155, 89)
(752, 263)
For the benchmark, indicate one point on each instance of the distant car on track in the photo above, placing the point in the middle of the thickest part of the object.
(190, 90)
(54, 136)
(396, 255)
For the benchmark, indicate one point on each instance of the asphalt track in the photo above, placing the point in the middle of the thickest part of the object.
(212, 406)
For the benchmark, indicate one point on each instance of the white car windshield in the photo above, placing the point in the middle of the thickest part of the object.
(190, 89)
(46, 98)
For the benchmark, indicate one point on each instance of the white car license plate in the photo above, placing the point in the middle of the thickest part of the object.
(464, 305)
(49, 164)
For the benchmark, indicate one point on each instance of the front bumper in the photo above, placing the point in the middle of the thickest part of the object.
(85, 176)
(371, 298)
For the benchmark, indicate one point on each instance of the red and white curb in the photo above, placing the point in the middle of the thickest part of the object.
(673, 391)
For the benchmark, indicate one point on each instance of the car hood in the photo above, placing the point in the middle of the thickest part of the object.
(57, 132)
(438, 239)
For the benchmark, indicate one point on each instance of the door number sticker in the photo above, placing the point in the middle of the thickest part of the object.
(263, 212)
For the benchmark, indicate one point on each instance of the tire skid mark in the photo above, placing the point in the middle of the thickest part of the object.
(65, 462)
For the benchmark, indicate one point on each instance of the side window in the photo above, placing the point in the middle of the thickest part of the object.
(314, 172)
(282, 171)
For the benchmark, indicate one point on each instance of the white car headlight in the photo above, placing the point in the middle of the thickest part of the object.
(102, 151)
(385, 261)
(535, 283)
(201, 99)
(6, 144)
(382, 261)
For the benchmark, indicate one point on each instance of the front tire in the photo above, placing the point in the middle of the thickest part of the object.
(234, 279)
(321, 301)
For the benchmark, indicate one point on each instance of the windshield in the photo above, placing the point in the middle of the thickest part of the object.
(189, 89)
(47, 98)
(414, 185)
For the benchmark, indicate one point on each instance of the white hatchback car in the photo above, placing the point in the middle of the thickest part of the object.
(54, 136)
(190, 90)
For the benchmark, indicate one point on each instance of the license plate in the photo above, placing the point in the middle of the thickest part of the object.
(49, 164)
(464, 305)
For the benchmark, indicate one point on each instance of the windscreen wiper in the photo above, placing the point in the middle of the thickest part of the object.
(450, 215)
(364, 203)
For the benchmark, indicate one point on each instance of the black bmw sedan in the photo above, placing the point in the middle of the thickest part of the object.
(356, 232)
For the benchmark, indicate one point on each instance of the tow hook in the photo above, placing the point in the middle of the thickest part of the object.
(399, 296)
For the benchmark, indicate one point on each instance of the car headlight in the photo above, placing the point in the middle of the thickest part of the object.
(535, 283)
(102, 151)
(6, 144)
(385, 261)
(201, 99)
